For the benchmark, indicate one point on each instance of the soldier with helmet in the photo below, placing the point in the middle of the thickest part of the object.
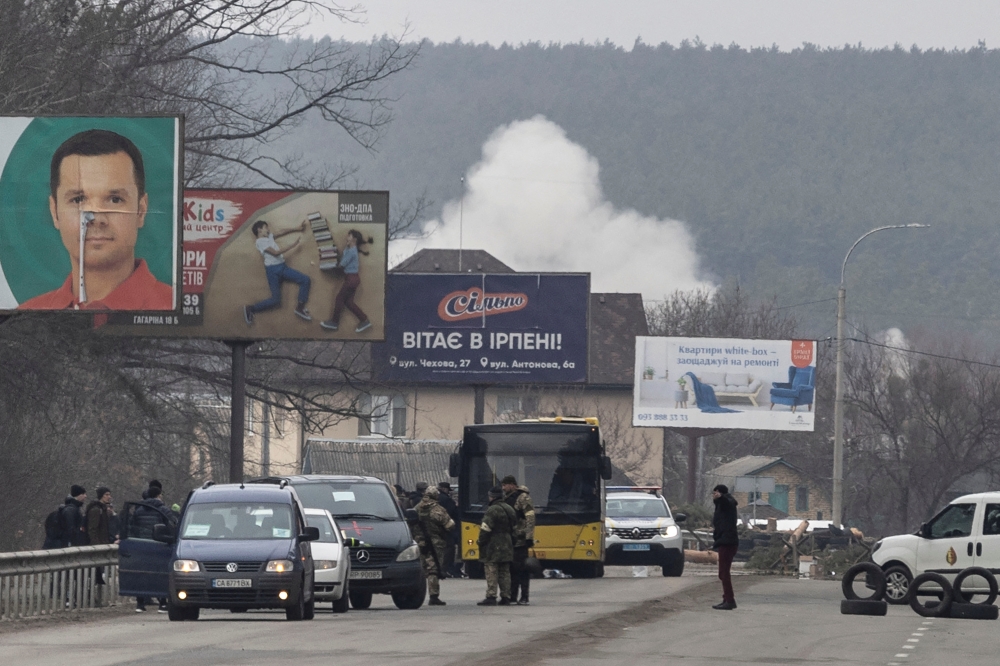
(496, 549)
(518, 498)
(432, 537)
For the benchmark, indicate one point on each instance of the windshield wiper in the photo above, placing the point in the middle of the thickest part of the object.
(358, 515)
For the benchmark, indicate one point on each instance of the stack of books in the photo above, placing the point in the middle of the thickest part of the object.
(328, 254)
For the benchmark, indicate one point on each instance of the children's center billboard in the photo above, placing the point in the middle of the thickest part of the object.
(724, 383)
(485, 329)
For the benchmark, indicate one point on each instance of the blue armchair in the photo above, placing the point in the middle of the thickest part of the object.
(797, 391)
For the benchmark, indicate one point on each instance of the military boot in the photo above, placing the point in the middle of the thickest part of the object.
(488, 601)
(504, 601)
(435, 601)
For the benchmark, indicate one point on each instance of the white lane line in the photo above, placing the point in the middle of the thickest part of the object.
(900, 655)
(909, 647)
(912, 640)
(917, 633)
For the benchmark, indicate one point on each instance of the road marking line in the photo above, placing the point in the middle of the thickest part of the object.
(909, 647)
(917, 633)
(912, 640)
(903, 654)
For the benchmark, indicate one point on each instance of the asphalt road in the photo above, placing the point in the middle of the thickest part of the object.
(615, 620)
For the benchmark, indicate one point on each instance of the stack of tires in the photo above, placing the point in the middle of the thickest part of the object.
(852, 604)
(949, 598)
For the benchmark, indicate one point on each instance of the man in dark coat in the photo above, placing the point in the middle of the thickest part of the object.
(71, 518)
(727, 540)
(99, 517)
(448, 502)
(496, 548)
(144, 521)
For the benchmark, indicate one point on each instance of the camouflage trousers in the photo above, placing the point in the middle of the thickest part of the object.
(497, 573)
(431, 572)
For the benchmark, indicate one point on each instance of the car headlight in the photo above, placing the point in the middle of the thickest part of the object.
(410, 554)
(325, 564)
(670, 531)
(186, 566)
(280, 566)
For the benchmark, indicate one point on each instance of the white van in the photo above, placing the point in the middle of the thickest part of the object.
(964, 534)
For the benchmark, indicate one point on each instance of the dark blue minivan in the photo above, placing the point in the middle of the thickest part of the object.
(233, 546)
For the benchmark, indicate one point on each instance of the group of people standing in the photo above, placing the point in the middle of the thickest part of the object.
(505, 535)
(78, 523)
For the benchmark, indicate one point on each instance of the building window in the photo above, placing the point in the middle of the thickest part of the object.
(802, 498)
(517, 405)
(754, 496)
(385, 415)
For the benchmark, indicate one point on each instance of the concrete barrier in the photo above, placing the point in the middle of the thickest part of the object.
(45, 582)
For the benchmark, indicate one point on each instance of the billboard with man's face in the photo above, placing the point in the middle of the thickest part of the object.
(90, 213)
(277, 264)
(725, 383)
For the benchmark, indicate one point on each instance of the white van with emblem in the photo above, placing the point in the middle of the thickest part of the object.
(964, 534)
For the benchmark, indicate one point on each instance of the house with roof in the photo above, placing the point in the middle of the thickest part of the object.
(436, 412)
(795, 494)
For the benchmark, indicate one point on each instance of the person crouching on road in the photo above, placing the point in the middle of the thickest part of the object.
(727, 540)
(518, 498)
(496, 548)
(432, 537)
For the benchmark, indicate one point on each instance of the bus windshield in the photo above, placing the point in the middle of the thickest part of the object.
(560, 469)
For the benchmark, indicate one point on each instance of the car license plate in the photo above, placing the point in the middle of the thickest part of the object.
(636, 546)
(232, 582)
(366, 575)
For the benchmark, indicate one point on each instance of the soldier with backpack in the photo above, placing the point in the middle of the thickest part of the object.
(65, 526)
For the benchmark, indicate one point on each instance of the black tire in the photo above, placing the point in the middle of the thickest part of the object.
(863, 607)
(940, 609)
(297, 612)
(360, 600)
(991, 581)
(342, 604)
(409, 599)
(673, 568)
(193, 613)
(310, 610)
(874, 574)
(963, 611)
(897, 585)
(176, 613)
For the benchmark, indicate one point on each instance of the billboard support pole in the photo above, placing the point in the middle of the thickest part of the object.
(692, 461)
(479, 409)
(237, 409)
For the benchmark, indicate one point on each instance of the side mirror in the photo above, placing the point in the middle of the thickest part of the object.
(310, 534)
(924, 531)
(680, 517)
(411, 516)
(163, 533)
(454, 465)
(606, 469)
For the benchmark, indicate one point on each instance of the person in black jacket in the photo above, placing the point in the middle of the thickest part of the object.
(71, 518)
(727, 540)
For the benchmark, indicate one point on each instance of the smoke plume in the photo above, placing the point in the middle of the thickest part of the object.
(534, 201)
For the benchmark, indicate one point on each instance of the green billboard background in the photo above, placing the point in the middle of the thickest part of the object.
(31, 252)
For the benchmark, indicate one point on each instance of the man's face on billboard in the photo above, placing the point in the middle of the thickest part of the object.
(104, 185)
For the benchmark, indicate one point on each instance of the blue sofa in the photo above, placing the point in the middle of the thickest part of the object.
(797, 391)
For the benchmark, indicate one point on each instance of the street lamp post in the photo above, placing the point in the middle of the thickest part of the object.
(838, 408)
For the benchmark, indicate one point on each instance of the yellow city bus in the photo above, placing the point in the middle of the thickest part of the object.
(562, 462)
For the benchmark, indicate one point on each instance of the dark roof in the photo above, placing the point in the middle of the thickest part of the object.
(393, 461)
(446, 261)
(615, 321)
(746, 466)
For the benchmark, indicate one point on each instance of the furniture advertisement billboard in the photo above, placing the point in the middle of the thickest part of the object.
(724, 383)
(277, 264)
(90, 213)
(511, 328)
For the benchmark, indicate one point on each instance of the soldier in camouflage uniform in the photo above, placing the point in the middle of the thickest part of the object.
(496, 548)
(432, 536)
(517, 498)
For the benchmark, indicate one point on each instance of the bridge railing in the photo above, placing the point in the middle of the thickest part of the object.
(46, 582)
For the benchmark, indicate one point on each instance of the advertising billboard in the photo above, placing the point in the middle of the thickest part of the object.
(724, 383)
(514, 328)
(277, 264)
(90, 213)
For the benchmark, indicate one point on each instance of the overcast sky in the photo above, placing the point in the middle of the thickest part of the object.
(786, 23)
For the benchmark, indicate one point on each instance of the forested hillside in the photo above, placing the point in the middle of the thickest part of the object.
(776, 161)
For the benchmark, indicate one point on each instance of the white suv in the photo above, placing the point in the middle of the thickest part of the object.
(964, 534)
(642, 531)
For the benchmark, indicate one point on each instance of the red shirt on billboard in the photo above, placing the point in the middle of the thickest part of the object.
(140, 291)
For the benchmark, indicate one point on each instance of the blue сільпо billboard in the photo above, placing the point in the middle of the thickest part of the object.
(485, 329)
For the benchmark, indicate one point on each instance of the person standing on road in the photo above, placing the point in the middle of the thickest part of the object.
(518, 498)
(727, 540)
(418, 494)
(496, 549)
(99, 517)
(145, 519)
(432, 537)
(445, 500)
(71, 518)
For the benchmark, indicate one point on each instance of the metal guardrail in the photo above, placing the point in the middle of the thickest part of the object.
(45, 582)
